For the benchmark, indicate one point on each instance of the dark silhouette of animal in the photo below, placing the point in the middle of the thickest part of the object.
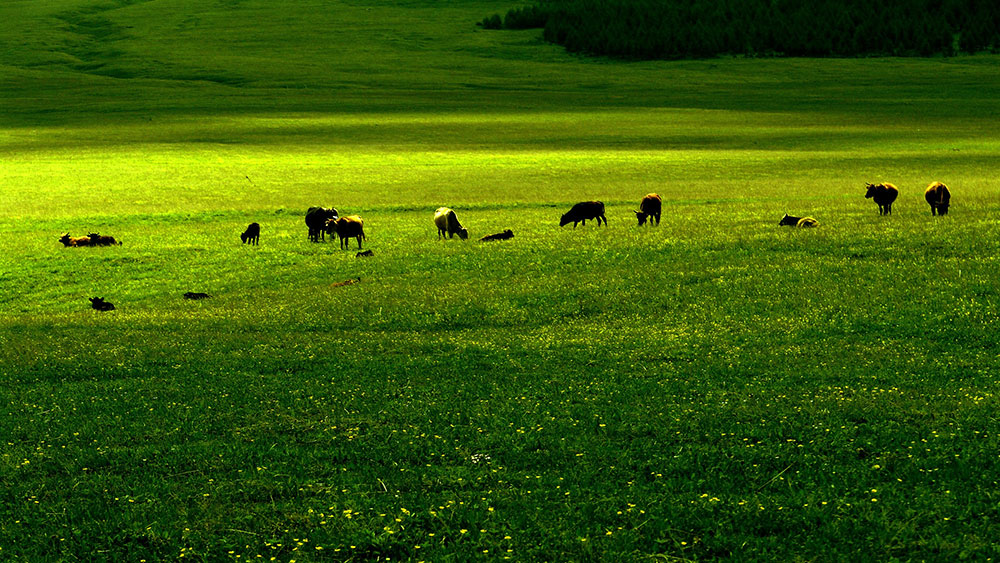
(347, 228)
(650, 206)
(447, 224)
(99, 304)
(252, 234)
(798, 221)
(883, 194)
(74, 241)
(583, 211)
(194, 295)
(345, 282)
(507, 234)
(938, 197)
(364, 254)
(101, 240)
(316, 219)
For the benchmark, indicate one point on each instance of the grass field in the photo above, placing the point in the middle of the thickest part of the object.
(714, 388)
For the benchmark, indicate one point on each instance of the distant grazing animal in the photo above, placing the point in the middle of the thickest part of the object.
(798, 221)
(101, 240)
(99, 304)
(347, 228)
(507, 234)
(447, 224)
(193, 295)
(345, 282)
(883, 194)
(316, 219)
(649, 207)
(939, 198)
(364, 254)
(252, 234)
(74, 241)
(583, 211)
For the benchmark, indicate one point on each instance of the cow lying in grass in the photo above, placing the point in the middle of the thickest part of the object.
(99, 304)
(882, 194)
(101, 240)
(938, 197)
(798, 221)
(650, 206)
(447, 224)
(507, 234)
(583, 211)
(74, 241)
(252, 234)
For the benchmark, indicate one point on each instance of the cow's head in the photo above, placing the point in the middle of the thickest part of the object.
(872, 190)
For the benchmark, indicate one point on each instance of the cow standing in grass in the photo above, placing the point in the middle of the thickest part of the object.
(347, 228)
(583, 211)
(316, 220)
(447, 224)
(882, 194)
(252, 234)
(649, 207)
(938, 197)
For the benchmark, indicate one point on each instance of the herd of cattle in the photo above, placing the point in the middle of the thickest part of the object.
(322, 221)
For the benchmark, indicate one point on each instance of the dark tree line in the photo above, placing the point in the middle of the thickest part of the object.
(668, 29)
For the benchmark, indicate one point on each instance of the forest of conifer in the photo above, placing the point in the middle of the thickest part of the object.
(654, 29)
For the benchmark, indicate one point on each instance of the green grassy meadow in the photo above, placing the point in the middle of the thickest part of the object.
(713, 388)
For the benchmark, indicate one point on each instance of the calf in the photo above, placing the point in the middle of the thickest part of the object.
(583, 211)
(251, 235)
(364, 254)
(507, 234)
(196, 295)
(882, 194)
(649, 207)
(938, 197)
(447, 224)
(74, 241)
(99, 304)
(798, 221)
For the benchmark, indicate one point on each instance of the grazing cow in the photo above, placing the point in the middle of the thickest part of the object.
(883, 194)
(364, 254)
(99, 304)
(347, 228)
(798, 221)
(649, 207)
(316, 220)
(74, 241)
(252, 234)
(194, 295)
(507, 234)
(583, 211)
(939, 198)
(101, 240)
(447, 224)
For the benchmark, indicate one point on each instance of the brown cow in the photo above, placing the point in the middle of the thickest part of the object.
(938, 197)
(347, 228)
(649, 207)
(883, 194)
(74, 241)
